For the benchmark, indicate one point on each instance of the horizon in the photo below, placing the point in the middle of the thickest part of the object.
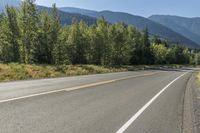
(157, 7)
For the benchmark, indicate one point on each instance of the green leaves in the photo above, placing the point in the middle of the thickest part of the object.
(30, 37)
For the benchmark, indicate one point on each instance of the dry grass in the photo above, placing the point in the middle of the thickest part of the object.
(14, 71)
(198, 77)
(9, 72)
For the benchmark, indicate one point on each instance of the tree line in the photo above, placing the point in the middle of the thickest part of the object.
(32, 37)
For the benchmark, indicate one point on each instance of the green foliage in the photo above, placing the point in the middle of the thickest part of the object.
(34, 37)
(13, 28)
(28, 21)
(160, 53)
(119, 44)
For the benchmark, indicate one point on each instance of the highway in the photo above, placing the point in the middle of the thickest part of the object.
(149, 101)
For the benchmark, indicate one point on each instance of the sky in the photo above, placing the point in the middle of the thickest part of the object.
(145, 8)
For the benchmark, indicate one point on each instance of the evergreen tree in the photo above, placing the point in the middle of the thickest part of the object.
(73, 43)
(44, 52)
(14, 33)
(134, 40)
(147, 57)
(6, 53)
(102, 48)
(55, 33)
(61, 51)
(31, 37)
(29, 31)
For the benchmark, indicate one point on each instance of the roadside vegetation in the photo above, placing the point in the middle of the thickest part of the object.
(198, 77)
(31, 37)
(15, 71)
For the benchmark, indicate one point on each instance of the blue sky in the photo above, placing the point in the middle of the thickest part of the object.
(187, 8)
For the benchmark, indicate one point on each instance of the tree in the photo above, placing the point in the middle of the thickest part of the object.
(14, 35)
(29, 36)
(55, 33)
(102, 51)
(119, 44)
(147, 57)
(197, 59)
(93, 54)
(44, 52)
(134, 40)
(60, 50)
(160, 53)
(6, 52)
(156, 40)
(29, 31)
(76, 48)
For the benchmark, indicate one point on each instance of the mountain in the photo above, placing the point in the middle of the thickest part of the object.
(80, 11)
(3, 3)
(67, 18)
(140, 22)
(67, 14)
(188, 27)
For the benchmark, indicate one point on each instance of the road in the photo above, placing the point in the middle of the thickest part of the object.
(148, 101)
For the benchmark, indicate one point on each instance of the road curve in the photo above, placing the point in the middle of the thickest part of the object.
(102, 103)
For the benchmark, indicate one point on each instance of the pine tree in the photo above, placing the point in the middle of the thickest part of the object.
(55, 33)
(74, 43)
(14, 35)
(147, 57)
(102, 48)
(134, 40)
(43, 53)
(6, 52)
(61, 51)
(29, 31)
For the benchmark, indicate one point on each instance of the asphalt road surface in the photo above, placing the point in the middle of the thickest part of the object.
(128, 102)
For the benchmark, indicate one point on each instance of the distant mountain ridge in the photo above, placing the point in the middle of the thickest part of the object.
(188, 27)
(67, 18)
(190, 38)
(3, 3)
(87, 12)
(138, 21)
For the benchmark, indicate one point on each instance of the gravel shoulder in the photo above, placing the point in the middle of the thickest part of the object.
(196, 99)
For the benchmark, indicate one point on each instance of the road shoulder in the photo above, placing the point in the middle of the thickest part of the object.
(191, 112)
(188, 110)
(196, 101)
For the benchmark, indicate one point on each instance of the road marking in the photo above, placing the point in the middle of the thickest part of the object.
(135, 116)
(107, 82)
(76, 87)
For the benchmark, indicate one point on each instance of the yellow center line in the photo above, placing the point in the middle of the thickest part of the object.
(107, 82)
(75, 88)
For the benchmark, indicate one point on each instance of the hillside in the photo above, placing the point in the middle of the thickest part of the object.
(80, 11)
(188, 27)
(179, 34)
(3, 3)
(67, 18)
(138, 21)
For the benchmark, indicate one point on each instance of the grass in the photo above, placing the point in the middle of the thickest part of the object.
(198, 77)
(14, 71)
(10, 72)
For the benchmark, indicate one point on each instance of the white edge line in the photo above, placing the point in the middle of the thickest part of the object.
(75, 88)
(135, 116)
